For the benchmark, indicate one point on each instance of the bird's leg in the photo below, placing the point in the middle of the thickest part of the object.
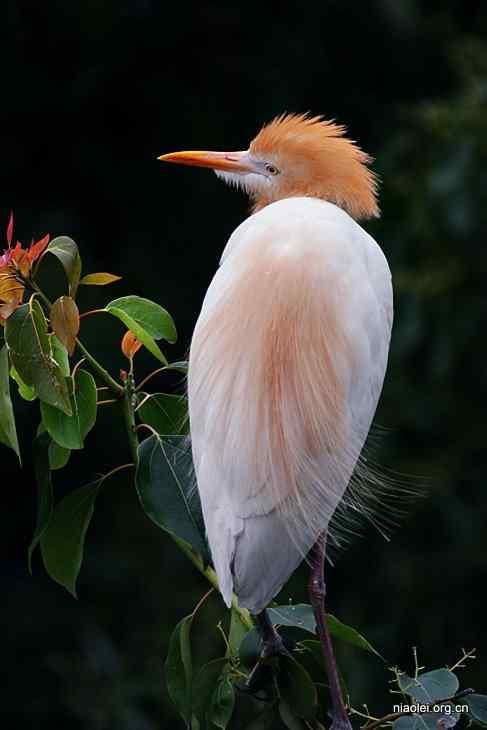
(273, 645)
(317, 593)
(272, 642)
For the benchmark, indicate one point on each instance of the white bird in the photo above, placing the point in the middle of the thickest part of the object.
(287, 361)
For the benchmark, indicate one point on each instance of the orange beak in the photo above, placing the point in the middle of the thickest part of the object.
(228, 161)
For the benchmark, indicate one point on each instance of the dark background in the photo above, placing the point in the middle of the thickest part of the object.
(91, 94)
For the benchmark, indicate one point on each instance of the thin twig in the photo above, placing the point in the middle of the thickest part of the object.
(151, 375)
(382, 720)
(466, 655)
(417, 668)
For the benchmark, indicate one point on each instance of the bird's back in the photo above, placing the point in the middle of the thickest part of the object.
(286, 367)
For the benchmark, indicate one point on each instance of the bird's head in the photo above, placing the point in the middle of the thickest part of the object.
(296, 155)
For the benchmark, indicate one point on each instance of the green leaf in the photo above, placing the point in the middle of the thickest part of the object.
(297, 688)
(179, 669)
(45, 499)
(58, 456)
(167, 414)
(477, 704)
(250, 648)
(140, 333)
(165, 488)
(70, 431)
(301, 616)
(223, 702)
(147, 320)
(62, 542)
(8, 431)
(347, 633)
(151, 317)
(440, 684)
(204, 686)
(99, 279)
(60, 354)
(30, 352)
(27, 392)
(66, 251)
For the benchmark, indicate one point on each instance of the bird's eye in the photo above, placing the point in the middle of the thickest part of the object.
(272, 169)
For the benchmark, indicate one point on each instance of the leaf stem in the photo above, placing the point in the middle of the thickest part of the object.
(151, 375)
(115, 470)
(91, 311)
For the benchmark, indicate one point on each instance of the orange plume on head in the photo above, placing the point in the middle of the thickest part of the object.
(316, 160)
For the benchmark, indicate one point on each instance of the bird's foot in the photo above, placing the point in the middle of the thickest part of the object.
(272, 648)
(340, 722)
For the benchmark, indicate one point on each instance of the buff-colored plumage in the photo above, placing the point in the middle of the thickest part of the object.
(289, 352)
(325, 164)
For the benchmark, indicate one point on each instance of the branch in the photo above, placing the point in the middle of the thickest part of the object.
(104, 374)
(129, 417)
(211, 577)
(390, 717)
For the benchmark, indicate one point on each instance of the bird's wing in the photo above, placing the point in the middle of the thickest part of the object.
(286, 366)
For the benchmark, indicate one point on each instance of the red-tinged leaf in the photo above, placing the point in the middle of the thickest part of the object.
(130, 345)
(6, 310)
(65, 321)
(99, 279)
(11, 290)
(38, 248)
(10, 229)
(20, 257)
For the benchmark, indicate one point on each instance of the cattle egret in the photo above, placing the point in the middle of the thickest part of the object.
(287, 362)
